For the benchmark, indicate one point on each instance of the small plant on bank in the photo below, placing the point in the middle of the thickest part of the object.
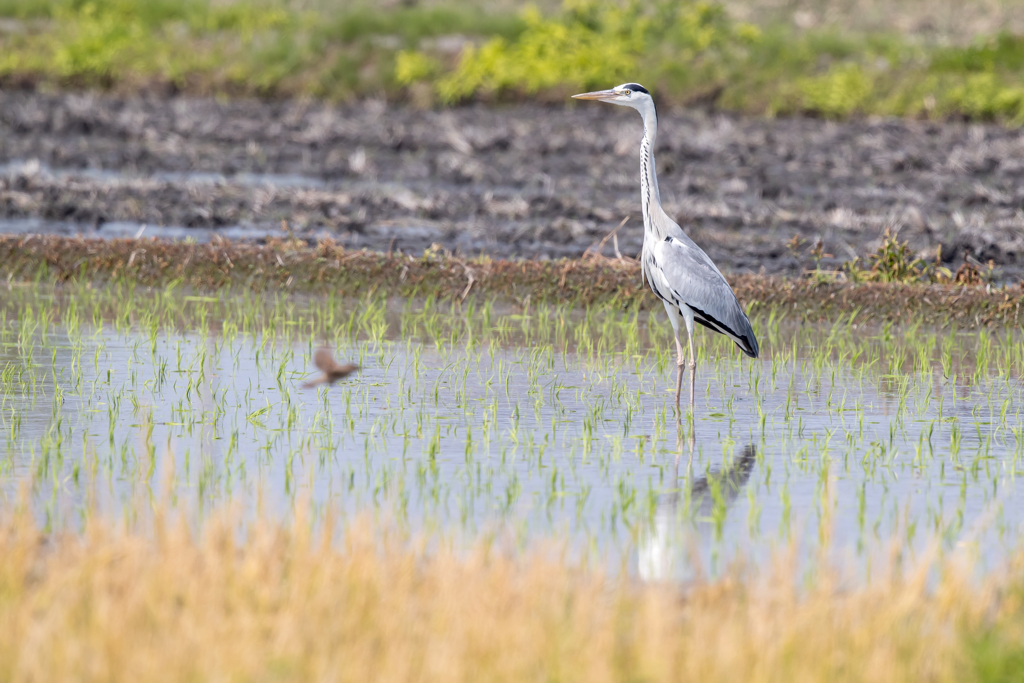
(974, 273)
(894, 261)
(818, 253)
(967, 274)
(793, 246)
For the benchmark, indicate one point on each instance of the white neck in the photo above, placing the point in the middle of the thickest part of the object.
(650, 197)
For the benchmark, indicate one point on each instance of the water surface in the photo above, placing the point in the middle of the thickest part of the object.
(520, 425)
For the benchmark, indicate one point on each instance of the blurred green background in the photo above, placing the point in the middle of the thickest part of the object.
(915, 58)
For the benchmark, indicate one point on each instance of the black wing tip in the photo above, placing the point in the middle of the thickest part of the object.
(749, 347)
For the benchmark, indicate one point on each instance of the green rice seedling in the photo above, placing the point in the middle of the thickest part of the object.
(525, 399)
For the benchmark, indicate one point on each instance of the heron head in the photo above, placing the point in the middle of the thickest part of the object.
(628, 94)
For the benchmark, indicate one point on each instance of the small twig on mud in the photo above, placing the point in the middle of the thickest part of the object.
(131, 259)
(618, 254)
(604, 241)
(565, 271)
(469, 274)
(391, 247)
(469, 285)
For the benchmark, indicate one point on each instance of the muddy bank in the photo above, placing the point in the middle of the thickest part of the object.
(511, 182)
(293, 266)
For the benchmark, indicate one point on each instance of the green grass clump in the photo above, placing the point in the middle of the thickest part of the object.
(692, 51)
(894, 261)
(1004, 51)
(997, 655)
(592, 44)
(986, 96)
(841, 91)
(265, 48)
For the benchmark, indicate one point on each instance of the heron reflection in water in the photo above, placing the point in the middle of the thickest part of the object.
(659, 547)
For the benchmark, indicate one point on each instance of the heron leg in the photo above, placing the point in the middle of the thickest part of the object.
(680, 360)
(677, 317)
(693, 370)
(688, 319)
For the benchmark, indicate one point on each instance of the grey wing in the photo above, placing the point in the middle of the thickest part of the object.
(679, 271)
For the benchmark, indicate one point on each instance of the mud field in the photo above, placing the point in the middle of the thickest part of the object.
(519, 181)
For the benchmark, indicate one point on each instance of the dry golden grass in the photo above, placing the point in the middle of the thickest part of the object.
(287, 604)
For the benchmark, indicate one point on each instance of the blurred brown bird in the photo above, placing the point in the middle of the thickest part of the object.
(330, 368)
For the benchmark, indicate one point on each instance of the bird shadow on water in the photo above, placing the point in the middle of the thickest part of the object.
(668, 547)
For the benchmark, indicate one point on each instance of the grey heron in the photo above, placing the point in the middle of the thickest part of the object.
(677, 270)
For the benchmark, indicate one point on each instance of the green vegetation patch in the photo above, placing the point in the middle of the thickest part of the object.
(264, 48)
(692, 51)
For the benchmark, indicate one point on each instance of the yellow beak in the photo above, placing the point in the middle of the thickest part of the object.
(597, 95)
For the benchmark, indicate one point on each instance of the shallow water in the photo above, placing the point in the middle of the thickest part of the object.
(463, 427)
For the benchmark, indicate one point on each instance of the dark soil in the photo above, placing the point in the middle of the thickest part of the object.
(512, 182)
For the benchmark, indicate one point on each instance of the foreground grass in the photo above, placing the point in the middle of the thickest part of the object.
(692, 52)
(326, 267)
(172, 604)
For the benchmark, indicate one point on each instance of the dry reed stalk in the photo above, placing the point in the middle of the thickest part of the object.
(285, 603)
